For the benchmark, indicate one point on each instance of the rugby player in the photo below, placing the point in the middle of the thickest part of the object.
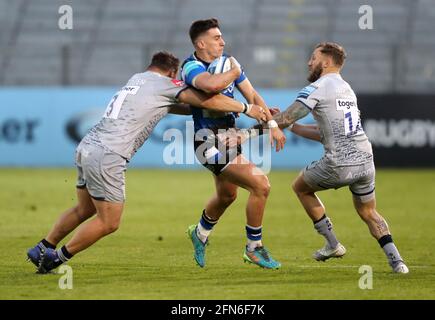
(229, 167)
(348, 157)
(102, 155)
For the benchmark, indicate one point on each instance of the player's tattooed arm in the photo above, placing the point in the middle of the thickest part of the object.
(293, 113)
(296, 111)
(284, 119)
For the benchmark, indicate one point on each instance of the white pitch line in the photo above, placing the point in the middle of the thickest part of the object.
(328, 266)
(350, 266)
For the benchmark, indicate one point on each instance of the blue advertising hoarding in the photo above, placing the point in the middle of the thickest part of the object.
(40, 127)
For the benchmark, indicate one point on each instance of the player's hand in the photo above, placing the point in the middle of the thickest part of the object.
(257, 112)
(235, 67)
(277, 135)
(274, 110)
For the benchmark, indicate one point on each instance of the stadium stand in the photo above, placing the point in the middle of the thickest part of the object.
(112, 39)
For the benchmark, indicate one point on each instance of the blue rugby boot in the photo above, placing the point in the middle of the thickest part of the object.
(50, 260)
(198, 246)
(35, 254)
(261, 257)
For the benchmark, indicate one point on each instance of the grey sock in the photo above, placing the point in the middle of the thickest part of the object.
(324, 227)
(392, 253)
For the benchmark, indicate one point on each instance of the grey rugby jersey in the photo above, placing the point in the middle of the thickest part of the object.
(133, 113)
(334, 107)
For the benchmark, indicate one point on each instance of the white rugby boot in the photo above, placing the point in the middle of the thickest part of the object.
(400, 267)
(326, 252)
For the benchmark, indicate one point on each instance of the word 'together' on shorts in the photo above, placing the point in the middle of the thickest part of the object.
(360, 178)
(101, 172)
(215, 156)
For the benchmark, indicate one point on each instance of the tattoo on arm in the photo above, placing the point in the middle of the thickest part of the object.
(293, 113)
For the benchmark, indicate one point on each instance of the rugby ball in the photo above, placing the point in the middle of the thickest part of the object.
(219, 65)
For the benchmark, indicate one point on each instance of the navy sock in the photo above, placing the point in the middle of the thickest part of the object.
(47, 244)
(207, 222)
(253, 233)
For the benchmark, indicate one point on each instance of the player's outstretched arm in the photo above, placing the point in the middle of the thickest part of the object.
(284, 119)
(220, 102)
(308, 131)
(252, 96)
(293, 113)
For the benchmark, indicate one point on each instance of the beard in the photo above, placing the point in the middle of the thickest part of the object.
(315, 73)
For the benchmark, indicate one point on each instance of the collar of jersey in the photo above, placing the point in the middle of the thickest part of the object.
(331, 74)
(200, 60)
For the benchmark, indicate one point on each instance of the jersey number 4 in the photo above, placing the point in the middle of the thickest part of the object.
(114, 106)
(352, 121)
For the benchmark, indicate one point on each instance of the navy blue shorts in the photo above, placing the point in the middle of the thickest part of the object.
(215, 157)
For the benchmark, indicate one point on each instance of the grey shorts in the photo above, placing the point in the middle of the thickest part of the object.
(102, 172)
(360, 178)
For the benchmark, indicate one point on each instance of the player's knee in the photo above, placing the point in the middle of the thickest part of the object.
(298, 190)
(262, 187)
(228, 198)
(295, 187)
(111, 226)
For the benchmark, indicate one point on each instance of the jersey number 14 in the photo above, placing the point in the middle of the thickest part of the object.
(352, 121)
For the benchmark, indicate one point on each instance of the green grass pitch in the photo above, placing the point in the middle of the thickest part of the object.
(150, 256)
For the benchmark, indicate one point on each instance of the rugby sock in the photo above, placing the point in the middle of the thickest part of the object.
(254, 237)
(63, 254)
(324, 227)
(205, 226)
(387, 244)
(47, 244)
